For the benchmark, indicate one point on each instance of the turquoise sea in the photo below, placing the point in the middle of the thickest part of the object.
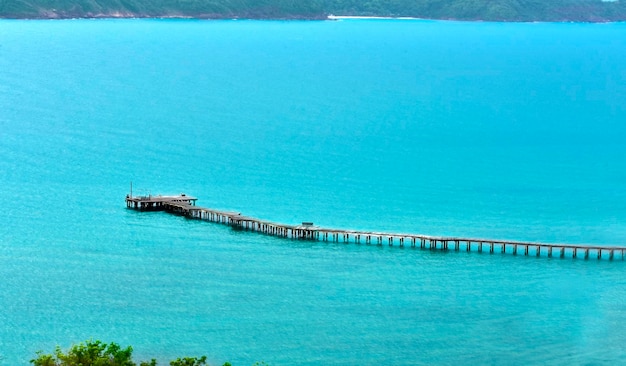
(512, 131)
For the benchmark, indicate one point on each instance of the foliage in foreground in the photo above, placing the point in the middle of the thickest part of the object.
(97, 353)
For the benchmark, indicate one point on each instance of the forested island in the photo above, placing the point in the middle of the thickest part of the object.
(488, 10)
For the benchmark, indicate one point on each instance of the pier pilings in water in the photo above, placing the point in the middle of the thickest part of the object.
(186, 206)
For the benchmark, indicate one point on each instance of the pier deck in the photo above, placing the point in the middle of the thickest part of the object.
(186, 206)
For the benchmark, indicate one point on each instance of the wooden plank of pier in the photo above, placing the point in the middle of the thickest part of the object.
(186, 206)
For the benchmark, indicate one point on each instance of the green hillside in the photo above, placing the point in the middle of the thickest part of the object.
(511, 10)
(161, 8)
(500, 10)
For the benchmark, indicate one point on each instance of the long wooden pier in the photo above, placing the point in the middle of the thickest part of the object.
(186, 206)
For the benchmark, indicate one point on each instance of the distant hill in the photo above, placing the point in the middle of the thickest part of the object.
(161, 8)
(493, 10)
(497, 10)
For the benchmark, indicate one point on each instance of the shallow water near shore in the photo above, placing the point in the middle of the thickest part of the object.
(511, 131)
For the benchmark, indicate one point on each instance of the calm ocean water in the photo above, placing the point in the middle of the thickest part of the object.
(512, 131)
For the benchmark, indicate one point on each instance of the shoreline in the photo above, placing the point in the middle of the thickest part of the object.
(330, 17)
(366, 17)
(359, 17)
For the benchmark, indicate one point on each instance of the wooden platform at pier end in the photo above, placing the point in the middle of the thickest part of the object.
(185, 205)
(156, 203)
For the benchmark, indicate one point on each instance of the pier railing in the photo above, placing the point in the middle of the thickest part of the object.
(186, 206)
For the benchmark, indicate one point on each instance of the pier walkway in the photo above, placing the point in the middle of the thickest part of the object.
(186, 206)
